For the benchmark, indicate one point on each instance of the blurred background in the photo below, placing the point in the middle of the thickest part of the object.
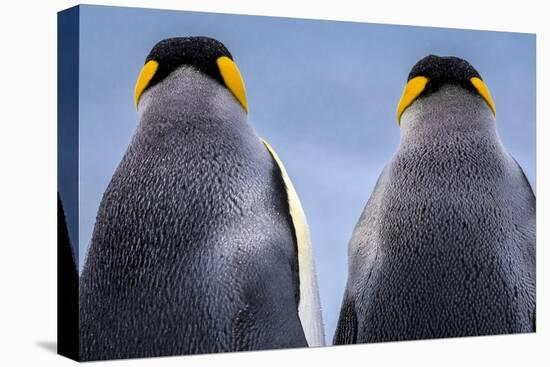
(323, 93)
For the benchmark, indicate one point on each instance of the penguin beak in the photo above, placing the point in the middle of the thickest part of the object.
(483, 91)
(145, 76)
(412, 90)
(233, 79)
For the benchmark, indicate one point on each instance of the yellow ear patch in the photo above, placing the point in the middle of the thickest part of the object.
(482, 89)
(412, 90)
(233, 79)
(145, 76)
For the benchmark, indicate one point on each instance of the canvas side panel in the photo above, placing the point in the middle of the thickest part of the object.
(67, 182)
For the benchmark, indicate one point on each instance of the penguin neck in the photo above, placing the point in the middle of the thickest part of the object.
(450, 113)
(187, 97)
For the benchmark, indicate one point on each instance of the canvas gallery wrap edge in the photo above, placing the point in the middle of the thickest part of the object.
(232, 183)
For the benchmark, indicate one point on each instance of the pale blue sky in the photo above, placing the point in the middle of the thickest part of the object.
(323, 93)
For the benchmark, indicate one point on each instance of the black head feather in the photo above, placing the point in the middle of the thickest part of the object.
(441, 70)
(199, 52)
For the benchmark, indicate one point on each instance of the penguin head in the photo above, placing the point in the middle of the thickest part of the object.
(209, 56)
(433, 72)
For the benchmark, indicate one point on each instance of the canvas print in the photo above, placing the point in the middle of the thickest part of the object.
(235, 183)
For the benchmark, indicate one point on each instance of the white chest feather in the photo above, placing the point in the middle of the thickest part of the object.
(309, 308)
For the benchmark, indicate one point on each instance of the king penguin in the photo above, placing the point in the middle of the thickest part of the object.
(200, 243)
(67, 289)
(445, 246)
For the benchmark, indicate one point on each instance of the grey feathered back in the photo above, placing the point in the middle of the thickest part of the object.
(193, 240)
